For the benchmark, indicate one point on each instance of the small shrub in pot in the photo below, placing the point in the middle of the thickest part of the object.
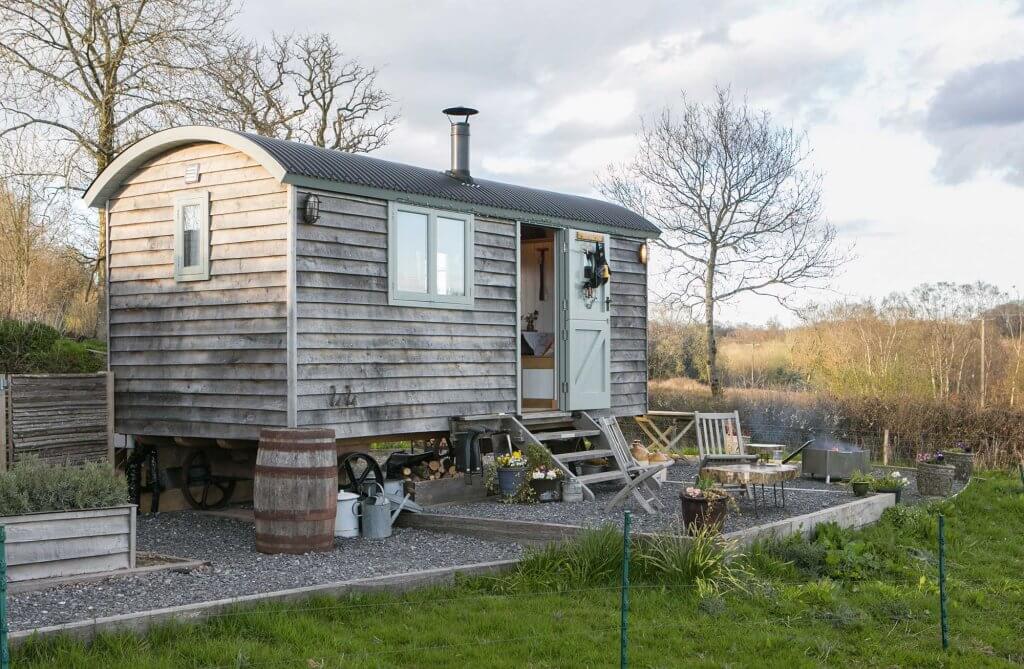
(861, 483)
(894, 483)
(705, 506)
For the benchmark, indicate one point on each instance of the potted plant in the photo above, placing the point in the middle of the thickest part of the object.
(934, 475)
(705, 505)
(861, 483)
(511, 472)
(595, 466)
(893, 483)
(962, 459)
(546, 483)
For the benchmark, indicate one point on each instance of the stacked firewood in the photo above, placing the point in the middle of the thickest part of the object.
(431, 470)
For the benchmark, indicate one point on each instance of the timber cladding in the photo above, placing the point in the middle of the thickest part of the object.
(62, 419)
(368, 368)
(629, 327)
(207, 357)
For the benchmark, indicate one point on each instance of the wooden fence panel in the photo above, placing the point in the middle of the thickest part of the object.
(62, 418)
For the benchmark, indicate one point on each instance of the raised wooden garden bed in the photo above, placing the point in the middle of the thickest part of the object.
(69, 543)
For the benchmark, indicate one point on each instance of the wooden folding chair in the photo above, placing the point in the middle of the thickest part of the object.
(639, 481)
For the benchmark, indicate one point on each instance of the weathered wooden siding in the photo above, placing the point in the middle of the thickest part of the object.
(629, 328)
(59, 418)
(367, 368)
(202, 358)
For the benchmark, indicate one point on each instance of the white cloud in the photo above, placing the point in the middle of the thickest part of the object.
(560, 86)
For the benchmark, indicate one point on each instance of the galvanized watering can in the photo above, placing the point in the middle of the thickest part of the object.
(377, 516)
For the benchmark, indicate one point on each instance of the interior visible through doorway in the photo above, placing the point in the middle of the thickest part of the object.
(539, 318)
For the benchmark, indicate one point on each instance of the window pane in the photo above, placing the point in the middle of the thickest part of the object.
(411, 251)
(451, 256)
(190, 235)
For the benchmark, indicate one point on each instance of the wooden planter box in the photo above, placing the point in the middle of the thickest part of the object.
(448, 490)
(69, 543)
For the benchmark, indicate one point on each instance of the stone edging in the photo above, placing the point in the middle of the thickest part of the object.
(142, 620)
(855, 513)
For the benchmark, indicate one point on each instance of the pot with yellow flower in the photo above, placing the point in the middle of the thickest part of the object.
(511, 472)
(546, 483)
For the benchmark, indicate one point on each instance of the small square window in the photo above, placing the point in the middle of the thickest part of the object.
(430, 257)
(192, 237)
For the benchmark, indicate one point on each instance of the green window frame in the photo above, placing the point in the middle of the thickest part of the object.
(401, 241)
(192, 237)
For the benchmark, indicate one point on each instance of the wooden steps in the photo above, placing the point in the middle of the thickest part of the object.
(565, 435)
(583, 455)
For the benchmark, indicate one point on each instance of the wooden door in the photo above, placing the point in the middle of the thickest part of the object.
(587, 325)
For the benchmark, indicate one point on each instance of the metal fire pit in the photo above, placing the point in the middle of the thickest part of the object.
(833, 461)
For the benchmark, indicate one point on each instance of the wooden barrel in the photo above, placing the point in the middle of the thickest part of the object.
(296, 490)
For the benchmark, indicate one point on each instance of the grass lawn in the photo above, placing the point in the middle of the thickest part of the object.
(865, 598)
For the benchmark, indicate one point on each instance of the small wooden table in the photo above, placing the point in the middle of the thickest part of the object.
(679, 423)
(750, 476)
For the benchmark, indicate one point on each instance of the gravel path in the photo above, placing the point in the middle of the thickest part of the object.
(802, 496)
(237, 569)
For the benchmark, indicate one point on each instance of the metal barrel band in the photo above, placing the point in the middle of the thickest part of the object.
(318, 514)
(275, 471)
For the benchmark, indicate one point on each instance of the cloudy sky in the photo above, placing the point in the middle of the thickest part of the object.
(915, 110)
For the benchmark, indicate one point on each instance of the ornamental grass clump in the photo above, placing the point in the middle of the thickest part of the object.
(32, 486)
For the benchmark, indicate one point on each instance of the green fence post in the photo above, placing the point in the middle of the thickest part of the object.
(5, 655)
(624, 624)
(943, 619)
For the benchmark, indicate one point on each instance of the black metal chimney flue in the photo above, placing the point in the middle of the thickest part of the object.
(460, 141)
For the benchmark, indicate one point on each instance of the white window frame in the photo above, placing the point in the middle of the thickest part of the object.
(431, 298)
(200, 272)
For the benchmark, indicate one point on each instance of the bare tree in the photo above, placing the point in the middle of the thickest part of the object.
(303, 87)
(42, 277)
(738, 206)
(99, 74)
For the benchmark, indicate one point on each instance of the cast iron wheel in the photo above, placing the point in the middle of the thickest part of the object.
(203, 489)
(360, 479)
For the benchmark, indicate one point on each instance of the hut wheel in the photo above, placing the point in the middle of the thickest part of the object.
(362, 471)
(203, 489)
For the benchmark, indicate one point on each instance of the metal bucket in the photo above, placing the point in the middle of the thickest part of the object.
(346, 521)
(572, 491)
(376, 515)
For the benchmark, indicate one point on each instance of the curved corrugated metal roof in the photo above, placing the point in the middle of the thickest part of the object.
(356, 169)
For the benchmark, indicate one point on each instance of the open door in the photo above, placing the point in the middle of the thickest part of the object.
(586, 331)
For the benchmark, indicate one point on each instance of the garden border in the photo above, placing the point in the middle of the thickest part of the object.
(140, 621)
(851, 514)
(856, 513)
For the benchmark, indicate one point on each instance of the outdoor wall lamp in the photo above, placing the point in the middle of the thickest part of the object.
(311, 209)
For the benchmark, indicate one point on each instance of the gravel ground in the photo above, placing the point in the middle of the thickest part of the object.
(802, 496)
(237, 569)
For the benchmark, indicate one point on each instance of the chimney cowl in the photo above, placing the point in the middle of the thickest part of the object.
(460, 141)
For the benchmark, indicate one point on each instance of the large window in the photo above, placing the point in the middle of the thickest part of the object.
(192, 237)
(430, 257)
